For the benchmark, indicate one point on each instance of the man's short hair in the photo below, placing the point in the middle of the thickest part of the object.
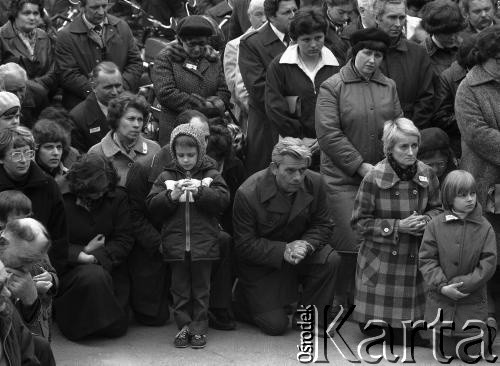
(188, 115)
(366, 4)
(379, 6)
(272, 6)
(339, 2)
(14, 202)
(465, 5)
(290, 146)
(254, 4)
(106, 67)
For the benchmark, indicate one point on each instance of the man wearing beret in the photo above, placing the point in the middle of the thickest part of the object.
(92, 37)
(257, 50)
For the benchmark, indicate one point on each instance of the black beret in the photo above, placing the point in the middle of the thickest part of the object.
(370, 35)
(194, 26)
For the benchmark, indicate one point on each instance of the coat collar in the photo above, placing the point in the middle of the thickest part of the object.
(268, 35)
(36, 177)
(93, 111)
(476, 216)
(478, 76)
(400, 45)
(78, 25)
(385, 177)
(110, 148)
(458, 73)
(291, 56)
(7, 31)
(276, 202)
(349, 75)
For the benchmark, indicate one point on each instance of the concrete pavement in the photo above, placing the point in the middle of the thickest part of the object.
(152, 346)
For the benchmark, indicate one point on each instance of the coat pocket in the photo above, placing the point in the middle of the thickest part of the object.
(369, 266)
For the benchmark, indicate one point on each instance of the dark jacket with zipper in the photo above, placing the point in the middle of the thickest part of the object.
(48, 208)
(192, 226)
(458, 250)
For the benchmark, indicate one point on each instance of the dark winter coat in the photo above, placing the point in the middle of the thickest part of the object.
(285, 78)
(338, 44)
(77, 54)
(196, 222)
(91, 124)
(174, 83)
(40, 68)
(458, 250)
(389, 286)
(17, 341)
(239, 22)
(350, 117)
(257, 50)
(410, 67)
(478, 112)
(440, 58)
(264, 222)
(48, 208)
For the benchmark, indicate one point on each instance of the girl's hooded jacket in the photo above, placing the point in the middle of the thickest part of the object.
(189, 226)
(458, 250)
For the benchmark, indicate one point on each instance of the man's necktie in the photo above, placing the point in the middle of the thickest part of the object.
(286, 40)
(98, 30)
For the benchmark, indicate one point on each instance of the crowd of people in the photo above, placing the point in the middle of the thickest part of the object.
(368, 175)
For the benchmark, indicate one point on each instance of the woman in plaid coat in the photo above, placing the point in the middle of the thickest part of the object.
(395, 201)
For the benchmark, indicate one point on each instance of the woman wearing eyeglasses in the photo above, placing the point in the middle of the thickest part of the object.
(19, 172)
(196, 82)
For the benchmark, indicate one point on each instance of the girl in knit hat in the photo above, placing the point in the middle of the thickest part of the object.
(10, 110)
(190, 196)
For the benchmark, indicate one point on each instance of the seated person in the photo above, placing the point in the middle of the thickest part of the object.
(93, 295)
(15, 205)
(51, 141)
(435, 151)
(282, 230)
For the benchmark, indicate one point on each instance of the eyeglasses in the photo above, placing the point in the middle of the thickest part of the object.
(17, 156)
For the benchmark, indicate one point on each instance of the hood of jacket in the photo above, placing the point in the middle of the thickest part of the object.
(188, 130)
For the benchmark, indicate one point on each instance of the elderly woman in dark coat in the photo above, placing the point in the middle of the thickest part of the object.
(478, 112)
(395, 201)
(22, 42)
(197, 82)
(93, 295)
(351, 109)
(293, 78)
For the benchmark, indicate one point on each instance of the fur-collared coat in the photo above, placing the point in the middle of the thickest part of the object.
(389, 286)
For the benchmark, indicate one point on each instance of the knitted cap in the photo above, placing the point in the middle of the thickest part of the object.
(194, 26)
(8, 101)
(188, 130)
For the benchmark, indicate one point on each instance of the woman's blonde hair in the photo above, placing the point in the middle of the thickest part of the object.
(393, 129)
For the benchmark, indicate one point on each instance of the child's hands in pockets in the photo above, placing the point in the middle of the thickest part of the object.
(452, 291)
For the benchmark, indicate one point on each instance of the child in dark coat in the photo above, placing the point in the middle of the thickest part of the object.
(189, 196)
(457, 258)
(16, 205)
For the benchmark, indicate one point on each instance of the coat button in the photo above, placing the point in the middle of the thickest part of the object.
(394, 252)
(130, 165)
(415, 192)
(397, 193)
(386, 230)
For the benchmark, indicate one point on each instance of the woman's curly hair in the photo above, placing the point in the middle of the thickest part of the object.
(119, 105)
(92, 173)
(17, 5)
(487, 45)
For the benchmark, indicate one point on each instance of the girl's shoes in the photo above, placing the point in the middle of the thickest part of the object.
(198, 341)
(181, 340)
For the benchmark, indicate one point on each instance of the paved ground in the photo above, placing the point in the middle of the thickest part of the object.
(145, 346)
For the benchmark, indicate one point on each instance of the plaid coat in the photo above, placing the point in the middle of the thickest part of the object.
(389, 286)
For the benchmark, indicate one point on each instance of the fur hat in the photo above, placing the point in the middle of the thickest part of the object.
(194, 26)
(433, 138)
(8, 101)
(442, 16)
(371, 38)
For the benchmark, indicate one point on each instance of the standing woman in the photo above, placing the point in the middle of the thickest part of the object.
(124, 143)
(294, 78)
(477, 111)
(395, 201)
(351, 110)
(197, 82)
(22, 42)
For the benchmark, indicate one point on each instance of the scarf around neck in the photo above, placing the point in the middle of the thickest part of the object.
(404, 174)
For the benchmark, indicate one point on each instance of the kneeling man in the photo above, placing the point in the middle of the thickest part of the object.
(282, 231)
